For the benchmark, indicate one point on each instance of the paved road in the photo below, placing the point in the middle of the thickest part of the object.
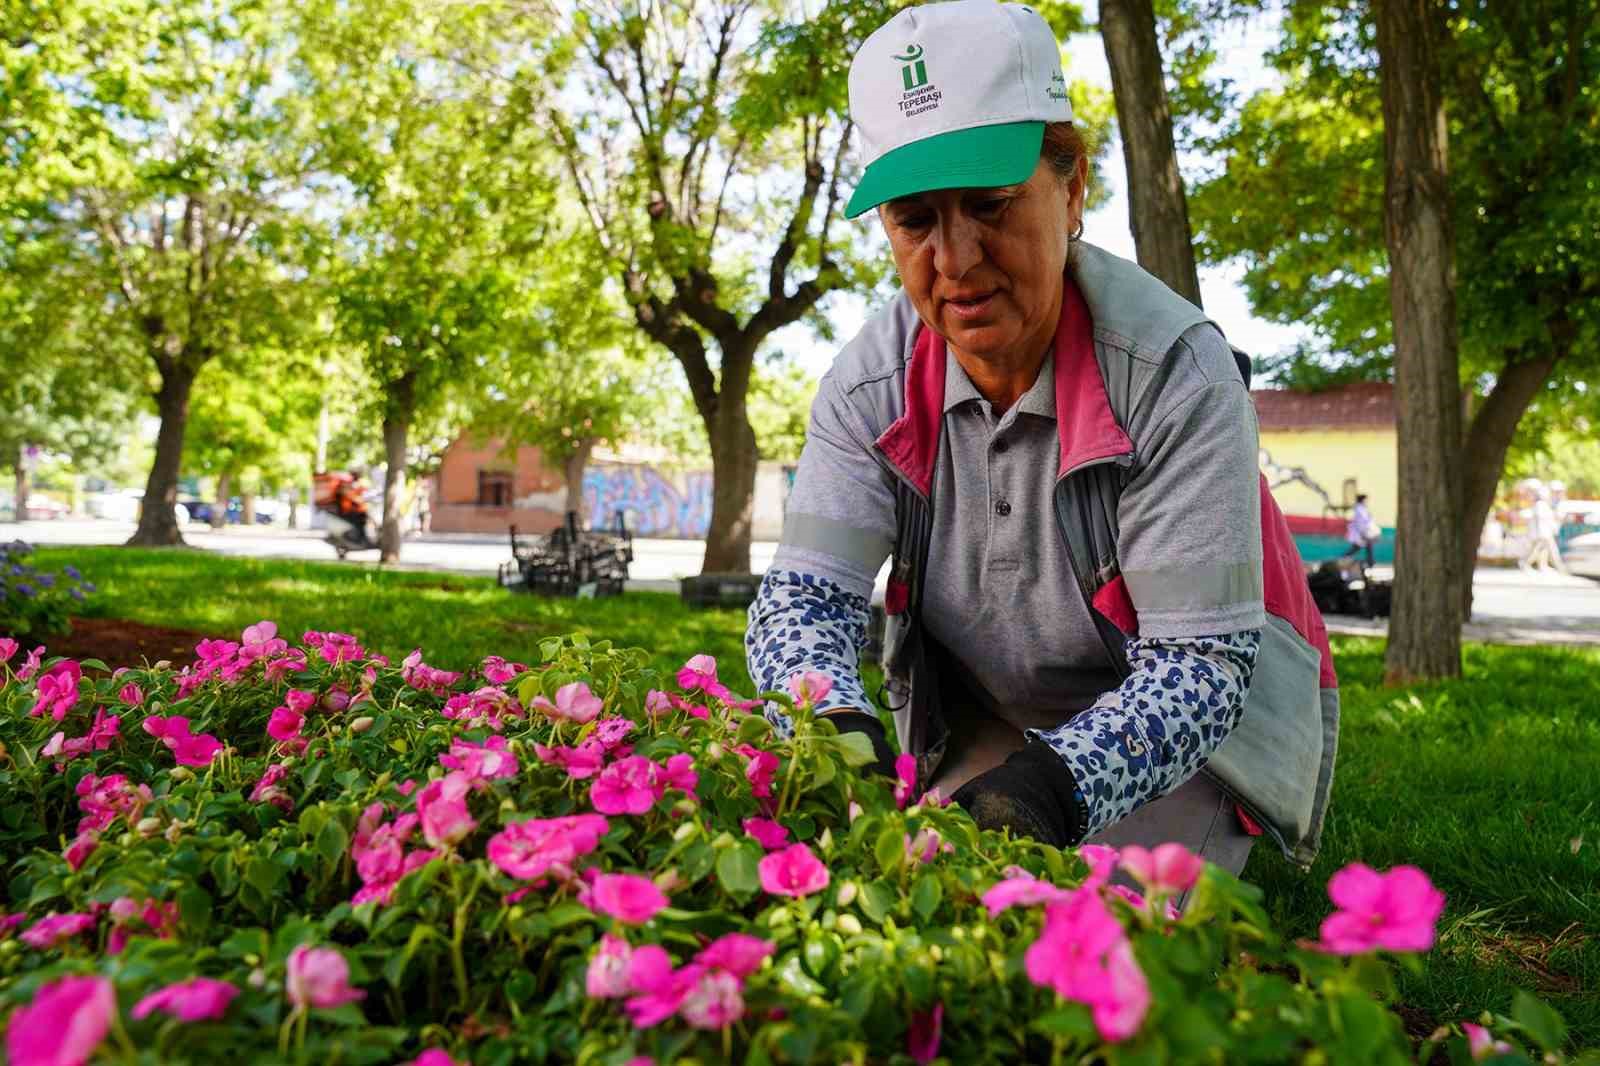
(1508, 604)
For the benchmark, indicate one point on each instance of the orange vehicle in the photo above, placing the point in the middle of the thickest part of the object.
(340, 495)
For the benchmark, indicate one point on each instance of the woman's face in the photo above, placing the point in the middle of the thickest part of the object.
(983, 267)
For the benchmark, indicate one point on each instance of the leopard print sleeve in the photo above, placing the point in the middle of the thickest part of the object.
(1153, 732)
(801, 621)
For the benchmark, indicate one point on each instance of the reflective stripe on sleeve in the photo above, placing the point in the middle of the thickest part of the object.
(1194, 587)
(862, 547)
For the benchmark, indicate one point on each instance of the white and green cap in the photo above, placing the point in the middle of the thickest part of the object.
(952, 95)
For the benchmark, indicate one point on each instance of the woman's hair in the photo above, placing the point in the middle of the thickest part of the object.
(1063, 146)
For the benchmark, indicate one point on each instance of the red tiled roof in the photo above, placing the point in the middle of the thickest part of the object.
(1364, 405)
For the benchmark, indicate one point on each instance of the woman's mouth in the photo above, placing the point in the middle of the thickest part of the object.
(970, 307)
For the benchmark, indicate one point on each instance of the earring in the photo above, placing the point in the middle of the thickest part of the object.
(1077, 233)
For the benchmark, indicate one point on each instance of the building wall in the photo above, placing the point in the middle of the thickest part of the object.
(1329, 457)
(538, 492)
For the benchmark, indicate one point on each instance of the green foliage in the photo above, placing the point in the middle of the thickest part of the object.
(449, 957)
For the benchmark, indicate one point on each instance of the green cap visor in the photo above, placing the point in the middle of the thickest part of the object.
(976, 158)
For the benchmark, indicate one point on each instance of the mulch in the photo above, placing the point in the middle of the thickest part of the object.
(119, 642)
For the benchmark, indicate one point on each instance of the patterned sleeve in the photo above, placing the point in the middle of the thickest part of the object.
(1153, 732)
(801, 621)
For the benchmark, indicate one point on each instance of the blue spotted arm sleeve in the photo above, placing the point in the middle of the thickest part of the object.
(802, 621)
(1153, 732)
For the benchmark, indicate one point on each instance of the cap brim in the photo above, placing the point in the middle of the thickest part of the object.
(979, 157)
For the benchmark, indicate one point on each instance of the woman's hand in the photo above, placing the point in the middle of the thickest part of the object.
(1032, 793)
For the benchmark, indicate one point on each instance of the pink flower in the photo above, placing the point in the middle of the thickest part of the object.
(160, 919)
(574, 703)
(713, 999)
(131, 694)
(739, 954)
(481, 763)
(1395, 911)
(195, 1000)
(905, 772)
(48, 932)
(680, 774)
(626, 897)
(267, 790)
(335, 648)
(8, 648)
(319, 977)
(809, 688)
(657, 702)
(700, 673)
(30, 665)
(627, 786)
(922, 1041)
(419, 675)
(299, 700)
(291, 662)
(77, 853)
(435, 1057)
(768, 834)
(1024, 890)
(1481, 1045)
(66, 1021)
(497, 671)
(58, 690)
(539, 846)
(443, 809)
(580, 762)
(611, 732)
(196, 750)
(926, 845)
(9, 922)
(1084, 955)
(102, 799)
(284, 724)
(608, 969)
(794, 871)
(759, 769)
(1168, 869)
(659, 989)
(1102, 860)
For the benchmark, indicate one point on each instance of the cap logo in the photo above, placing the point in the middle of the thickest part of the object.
(914, 73)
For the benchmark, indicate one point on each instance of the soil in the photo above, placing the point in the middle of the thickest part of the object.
(119, 642)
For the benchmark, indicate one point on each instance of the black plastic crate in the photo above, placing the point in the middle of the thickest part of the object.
(569, 561)
(720, 590)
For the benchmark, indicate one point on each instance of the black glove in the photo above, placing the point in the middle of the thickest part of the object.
(1032, 794)
(862, 722)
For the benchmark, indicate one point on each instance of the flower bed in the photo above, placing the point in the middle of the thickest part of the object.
(308, 853)
(34, 603)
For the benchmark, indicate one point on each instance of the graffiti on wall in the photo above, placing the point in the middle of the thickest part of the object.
(655, 505)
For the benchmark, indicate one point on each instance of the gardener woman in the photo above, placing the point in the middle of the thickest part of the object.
(1059, 454)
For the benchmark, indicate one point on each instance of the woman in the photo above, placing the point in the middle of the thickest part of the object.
(1362, 532)
(1060, 454)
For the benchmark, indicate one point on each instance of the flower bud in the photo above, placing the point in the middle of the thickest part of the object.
(825, 841)
(125, 839)
(937, 953)
(257, 978)
(846, 894)
(855, 810)
(724, 840)
(715, 750)
(849, 924)
(684, 831)
(181, 773)
(360, 725)
(336, 729)
(148, 827)
(668, 880)
(174, 833)
(162, 664)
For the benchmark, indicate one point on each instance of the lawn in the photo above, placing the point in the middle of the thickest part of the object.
(1488, 783)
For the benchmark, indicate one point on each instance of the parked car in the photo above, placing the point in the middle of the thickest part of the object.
(1582, 555)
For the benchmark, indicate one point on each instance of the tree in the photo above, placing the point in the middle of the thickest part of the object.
(1158, 213)
(180, 225)
(1425, 633)
(710, 156)
(1301, 202)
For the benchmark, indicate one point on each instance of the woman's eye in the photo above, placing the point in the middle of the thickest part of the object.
(919, 221)
(989, 208)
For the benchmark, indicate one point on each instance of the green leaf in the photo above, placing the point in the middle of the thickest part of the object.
(1540, 1020)
(1072, 1022)
(737, 869)
(394, 970)
(890, 848)
(194, 905)
(794, 980)
(926, 895)
(93, 664)
(332, 843)
(529, 686)
(876, 900)
(262, 875)
(856, 748)
(753, 727)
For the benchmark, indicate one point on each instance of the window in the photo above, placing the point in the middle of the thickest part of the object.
(494, 488)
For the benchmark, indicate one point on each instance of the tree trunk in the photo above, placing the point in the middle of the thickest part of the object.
(1425, 628)
(394, 484)
(733, 486)
(1158, 212)
(219, 513)
(572, 473)
(158, 524)
(247, 509)
(1487, 441)
(21, 486)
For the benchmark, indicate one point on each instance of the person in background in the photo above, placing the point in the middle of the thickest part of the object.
(1544, 552)
(1362, 532)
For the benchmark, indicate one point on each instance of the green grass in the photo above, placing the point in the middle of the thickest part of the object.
(1489, 783)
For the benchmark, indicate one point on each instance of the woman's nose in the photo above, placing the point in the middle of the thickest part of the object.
(957, 248)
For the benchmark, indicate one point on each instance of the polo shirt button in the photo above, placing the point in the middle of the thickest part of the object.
(1002, 508)
(1001, 446)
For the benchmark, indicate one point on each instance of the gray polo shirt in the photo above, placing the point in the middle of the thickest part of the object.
(1032, 659)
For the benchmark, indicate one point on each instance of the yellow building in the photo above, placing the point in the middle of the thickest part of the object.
(1320, 449)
